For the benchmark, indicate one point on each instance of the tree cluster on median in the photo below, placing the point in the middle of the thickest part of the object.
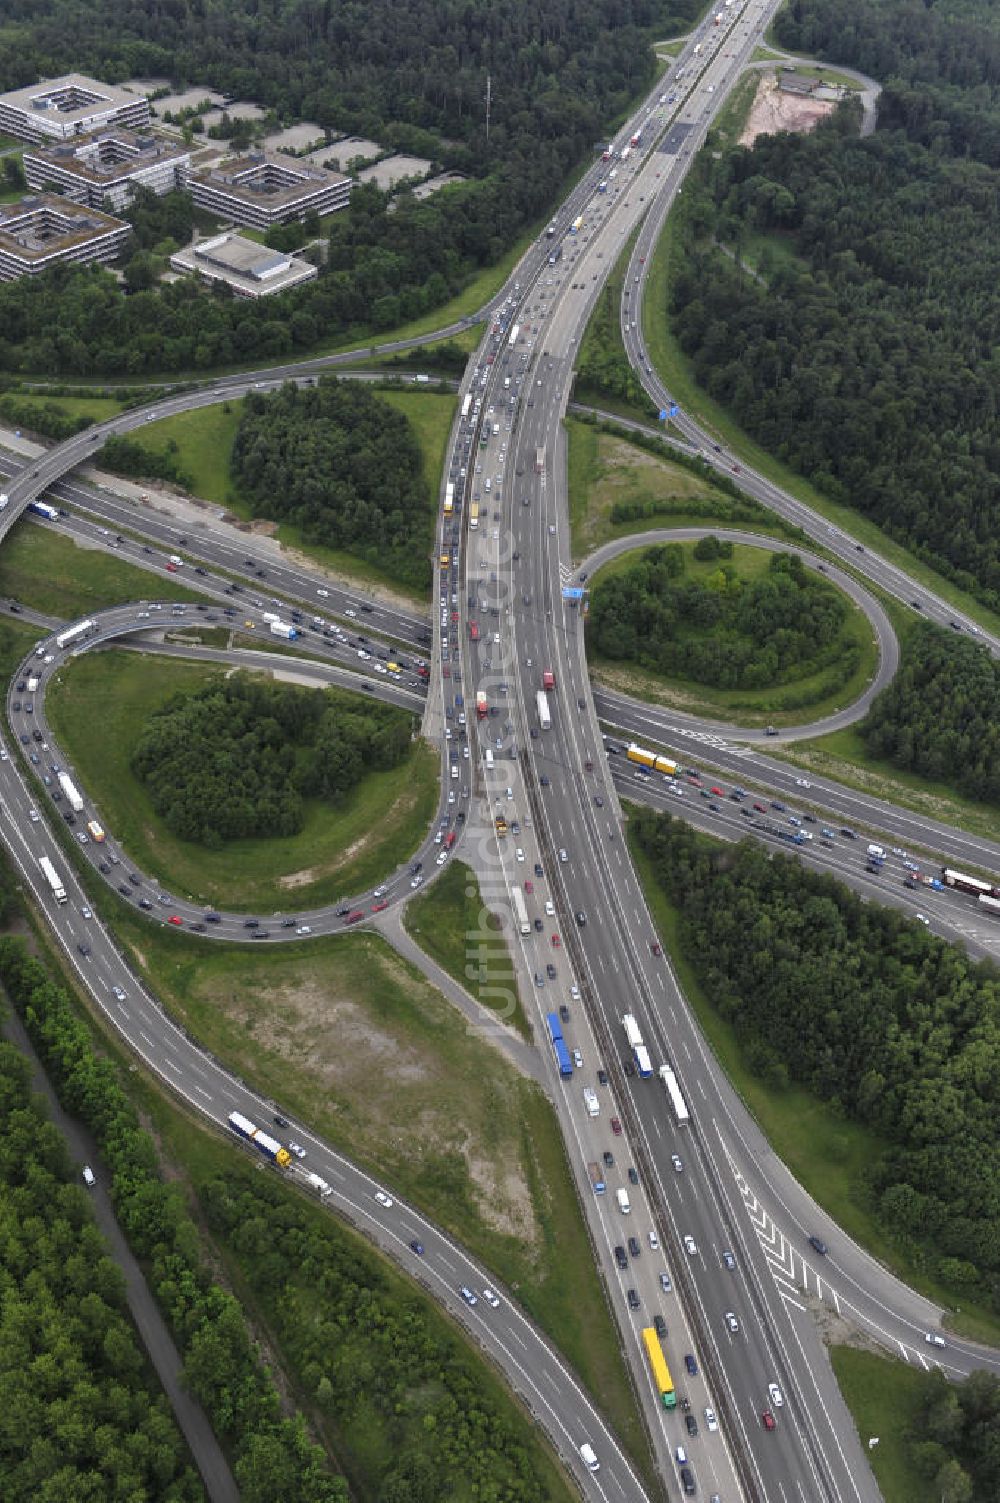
(956, 1444)
(875, 1016)
(272, 1456)
(721, 629)
(84, 1420)
(238, 758)
(940, 716)
(343, 465)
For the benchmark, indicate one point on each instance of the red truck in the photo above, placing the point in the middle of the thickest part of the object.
(548, 679)
(482, 708)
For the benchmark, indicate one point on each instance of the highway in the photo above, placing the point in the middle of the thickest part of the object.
(748, 1296)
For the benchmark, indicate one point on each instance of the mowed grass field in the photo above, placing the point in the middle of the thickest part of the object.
(50, 572)
(98, 707)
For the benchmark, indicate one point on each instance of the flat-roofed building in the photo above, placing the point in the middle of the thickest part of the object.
(251, 270)
(261, 190)
(44, 230)
(107, 166)
(60, 108)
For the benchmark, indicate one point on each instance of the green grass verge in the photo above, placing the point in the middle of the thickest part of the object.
(828, 1155)
(666, 356)
(811, 694)
(607, 470)
(16, 639)
(353, 1041)
(98, 707)
(202, 442)
(50, 572)
(443, 918)
(885, 1399)
(98, 408)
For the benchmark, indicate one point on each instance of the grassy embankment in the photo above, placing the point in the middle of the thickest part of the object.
(50, 572)
(827, 1154)
(99, 706)
(443, 918)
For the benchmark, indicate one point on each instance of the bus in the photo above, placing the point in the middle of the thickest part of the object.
(577, 225)
(559, 1044)
(520, 910)
(74, 633)
(449, 498)
(658, 1366)
(677, 1103)
(473, 515)
(467, 404)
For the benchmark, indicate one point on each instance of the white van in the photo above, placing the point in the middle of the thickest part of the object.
(592, 1104)
(489, 758)
(496, 430)
(589, 1458)
(623, 1202)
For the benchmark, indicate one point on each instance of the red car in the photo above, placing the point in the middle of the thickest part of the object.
(654, 945)
(761, 808)
(616, 1127)
(736, 469)
(556, 942)
(529, 887)
(173, 919)
(718, 792)
(171, 568)
(377, 907)
(768, 1419)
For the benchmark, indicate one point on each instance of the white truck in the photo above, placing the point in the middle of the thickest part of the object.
(544, 715)
(32, 682)
(72, 792)
(283, 630)
(591, 1102)
(53, 878)
(520, 910)
(319, 1185)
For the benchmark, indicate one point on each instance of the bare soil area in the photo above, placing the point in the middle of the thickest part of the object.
(773, 111)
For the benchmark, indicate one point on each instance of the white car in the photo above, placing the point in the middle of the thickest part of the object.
(303, 929)
(677, 1162)
(323, 594)
(776, 1396)
(297, 1149)
(711, 1421)
(417, 881)
(550, 908)
(654, 1241)
(119, 994)
(731, 1322)
(33, 816)
(574, 992)
(691, 1246)
(88, 1175)
(442, 858)
(519, 854)
(491, 1298)
(85, 912)
(384, 1199)
(923, 919)
(351, 613)
(802, 783)
(932, 1339)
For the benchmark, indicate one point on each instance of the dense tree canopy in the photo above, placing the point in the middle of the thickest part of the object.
(866, 357)
(238, 758)
(411, 75)
(343, 465)
(955, 1441)
(721, 630)
(871, 1013)
(940, 716)
(83, 1419)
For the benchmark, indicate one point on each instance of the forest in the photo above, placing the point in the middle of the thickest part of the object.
(238, 758)
(940, 716)
(345, 467)
(85, 1417)
(955, 1442)
(865, 357)
(272, 1455)
(412, 76)
(886, 1023)
(720, 629)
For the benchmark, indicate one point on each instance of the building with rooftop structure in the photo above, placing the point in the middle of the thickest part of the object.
(45, 230)
(251, 270)
(260, 190)
(107, 166)
(60, 108)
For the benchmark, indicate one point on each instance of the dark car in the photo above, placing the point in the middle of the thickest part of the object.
(660, 1327)
(633, 1246)
(602, 1075)
(563, 1012)
(550, 971)
(818, 1245)
(691, 1365)
(279, 1121)
(620, 1257)
(633, 1175)
(609, 1159)
(633, 1299)
(417, 1247)
(691, 1424)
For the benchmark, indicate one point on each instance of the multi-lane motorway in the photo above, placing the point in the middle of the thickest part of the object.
(744, 1293)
